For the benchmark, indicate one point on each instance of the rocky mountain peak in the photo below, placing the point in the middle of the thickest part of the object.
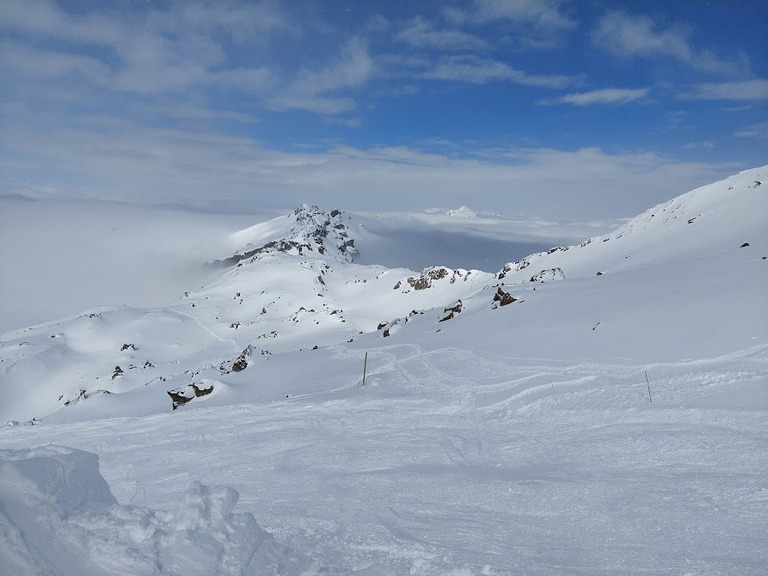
(307, 231)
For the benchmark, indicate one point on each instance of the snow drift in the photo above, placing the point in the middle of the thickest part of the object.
(58, 516)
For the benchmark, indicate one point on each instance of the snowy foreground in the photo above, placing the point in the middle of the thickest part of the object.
(505, 425)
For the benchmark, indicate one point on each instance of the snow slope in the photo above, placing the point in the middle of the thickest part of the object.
(504, 427)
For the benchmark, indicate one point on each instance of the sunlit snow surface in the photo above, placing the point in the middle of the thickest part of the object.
(514, 439)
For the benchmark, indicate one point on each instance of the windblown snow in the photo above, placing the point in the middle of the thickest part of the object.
(590, 409)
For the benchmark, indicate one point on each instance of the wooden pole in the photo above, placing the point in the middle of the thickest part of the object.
(365, 367)
(648, 382)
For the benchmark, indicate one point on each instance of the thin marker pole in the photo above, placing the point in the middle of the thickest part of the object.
(648, 382)
(365, 367)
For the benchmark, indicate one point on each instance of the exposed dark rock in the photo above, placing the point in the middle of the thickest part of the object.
(744, 245)
(127, 347)
(452, 311)
(182, 395)
(599, 273)
(549, 274)
(502, 298)
(514, 267)
(424, 281)
(238, 364)
(80, 396)
(118, 372)
(83, 395)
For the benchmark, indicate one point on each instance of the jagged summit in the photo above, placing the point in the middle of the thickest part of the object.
(307, 231)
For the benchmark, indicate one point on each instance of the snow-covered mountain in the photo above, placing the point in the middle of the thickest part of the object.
(290, 285)
(504, 426)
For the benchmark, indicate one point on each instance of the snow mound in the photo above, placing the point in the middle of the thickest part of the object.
(60, 517)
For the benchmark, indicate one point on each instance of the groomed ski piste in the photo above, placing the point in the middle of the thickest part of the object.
(594, 409)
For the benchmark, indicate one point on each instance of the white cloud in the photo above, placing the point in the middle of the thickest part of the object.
(21, 61)
(119, 160)
(735, 91)
(174, 51)
(422, 34)
(152, 51)
(629, 36)
(541, 14)
(477, 70)
(531, 24)
(315, 90)
(759, 130)
(604, 96)
(251, 80)
(44, 18)
(706, 144)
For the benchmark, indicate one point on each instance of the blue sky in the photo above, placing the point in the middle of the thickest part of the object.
(565, 109)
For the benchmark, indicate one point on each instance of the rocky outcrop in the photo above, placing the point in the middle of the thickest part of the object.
(181, 396)
(238, 364)
(452, 310)
(548, 275)
(424, 281)
(502, 298)
(514, 267)
(528, 260)
(83, 395)
(430, 275)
